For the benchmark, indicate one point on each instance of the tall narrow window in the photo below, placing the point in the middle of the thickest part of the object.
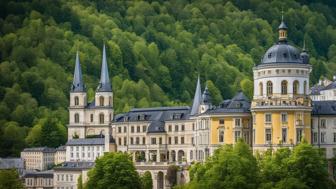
(284, 117)
(299, 133)
(101, 101)
(305, 87)
(269, 88)
(261, 89)
(221, 136)
(101, 118)
(284, 135)
(76, 118)
(268, 135)
(76, 101)
(91, 118)
(237, 135)
(110, 101)
(284, 84)
(295, 87)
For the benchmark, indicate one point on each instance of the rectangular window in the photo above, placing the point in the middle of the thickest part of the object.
(284, 135)
(125, 141)
(237, 122)
(315, 137)
(132, 140)
(323, 137)
(237, 136)
(268, 135)
(323, 123)
(299, 119)
(91, 118)
(193, 127)
(137, 140)
(132, 129)
(119, 141)
(160, 140)
(144, 140)
(268, 118)
(299, 133)
(176, 140)
(182, 140)
(221, 135)
(153, 140)
(125, 129)
(192, 141)
(176, 127)
(169, 140)
(144, 128)
(138, 129)
(182, 127)
(284, 118)
(169, 128)
(221, 122)
(119, 129)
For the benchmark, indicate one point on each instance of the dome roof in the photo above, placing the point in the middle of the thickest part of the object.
(282, 52)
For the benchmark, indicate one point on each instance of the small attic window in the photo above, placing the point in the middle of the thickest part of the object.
(141, 117)
(269, 55)
(238, 105)
(177, 116)
(285, 55)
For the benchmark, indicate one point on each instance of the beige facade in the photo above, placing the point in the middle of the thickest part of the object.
(38, 158)
(60, 155)
(39, 180)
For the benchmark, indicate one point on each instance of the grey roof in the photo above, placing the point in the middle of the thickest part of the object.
(155, 116)
(327, 107)
(332, 85)
(78, 84)
(104, 83)
(283, 25)
(61, 148)
(72, 166)
(316, 89)
(238, 104)
(206, 97)
(11, 163)
(40, 149)
(86, 141)
(282, 52)
(197, 98)
(44, 174)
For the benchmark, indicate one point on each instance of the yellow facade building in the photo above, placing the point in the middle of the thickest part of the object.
(281, 107)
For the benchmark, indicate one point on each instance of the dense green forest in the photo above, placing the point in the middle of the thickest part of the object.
(155, 51)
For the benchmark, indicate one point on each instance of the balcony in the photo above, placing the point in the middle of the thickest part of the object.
(283, 101)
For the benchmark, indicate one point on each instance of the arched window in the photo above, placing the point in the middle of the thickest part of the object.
(76, 101)
(101, 118)
(101, 101)
(296, 87)
(261, 89)
(76, 118)
(269, 88)
(305, 87)
(221, 136)
(284, 84)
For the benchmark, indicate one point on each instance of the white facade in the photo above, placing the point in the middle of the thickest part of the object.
(324, 134)
(84, 152)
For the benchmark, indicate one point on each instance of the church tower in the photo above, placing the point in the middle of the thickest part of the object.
(195, 109)
(206, 100)
(78, 102)
(281, 107)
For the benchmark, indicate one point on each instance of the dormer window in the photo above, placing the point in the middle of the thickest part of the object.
(141, 117)
(285, 55)
(269, 55)
(177, 116)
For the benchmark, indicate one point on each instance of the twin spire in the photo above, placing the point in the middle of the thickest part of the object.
(104, 83)
(200, 98)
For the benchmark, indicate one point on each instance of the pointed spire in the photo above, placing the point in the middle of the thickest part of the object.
(197, 98)
(104, 83)
(206, 97)
(77, 84)
(282, 29)
(304, 46)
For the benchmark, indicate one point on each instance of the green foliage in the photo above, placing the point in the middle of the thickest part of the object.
(80, 182)
(53, 134)
(155, 50)
(114, 170)
(172, 175)
(9, 179)
(146, 180)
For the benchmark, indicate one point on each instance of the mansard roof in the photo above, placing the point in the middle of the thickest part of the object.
(155, 116)
(86, 141)
(238, 104)
(327, 107)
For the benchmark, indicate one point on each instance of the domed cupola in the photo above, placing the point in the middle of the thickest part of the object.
(282, 52)
(304, 55)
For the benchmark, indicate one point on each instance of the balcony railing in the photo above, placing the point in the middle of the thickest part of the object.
(283, 101)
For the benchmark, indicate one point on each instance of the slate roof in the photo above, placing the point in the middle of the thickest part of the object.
(316, 89)
(332, 85)
(73, 166)
(40, 149)
(282, 52)
(104, 83)
(11, 163)
(85, 141)
(238, 104)
(61, 148)
(44, 174)
(327, 107)
(156, 116)
(78, 83)
(197, 98)
(282, 25)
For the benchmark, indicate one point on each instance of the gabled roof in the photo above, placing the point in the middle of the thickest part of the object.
(78, 83)
(327, 107)
(155, 116)
(104, 83)
(197, 98)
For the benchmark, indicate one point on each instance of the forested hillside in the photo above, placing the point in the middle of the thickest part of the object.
(155, 52)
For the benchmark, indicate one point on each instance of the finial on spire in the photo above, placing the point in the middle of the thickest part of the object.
(304, 45)
(282, 14)
(282, 29)
(104, 83)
